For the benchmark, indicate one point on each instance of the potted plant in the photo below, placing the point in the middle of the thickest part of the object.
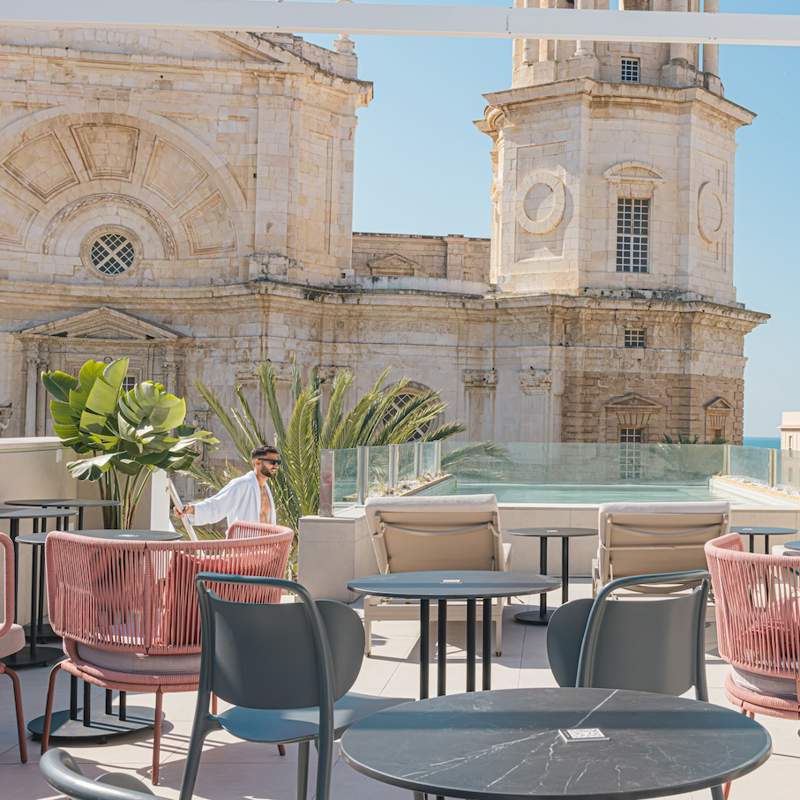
(120, 436)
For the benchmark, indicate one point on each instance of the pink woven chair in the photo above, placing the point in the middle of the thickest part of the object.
(128, 611)
(12, 640)
(247, 530)
(757, 602)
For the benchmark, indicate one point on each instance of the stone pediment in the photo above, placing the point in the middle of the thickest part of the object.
(718, 404)
(102, 323)
(393, 264)
(632, 172)
(632, 410)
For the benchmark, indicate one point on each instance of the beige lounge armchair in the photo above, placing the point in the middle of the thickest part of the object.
(645, 538)
(412, 534)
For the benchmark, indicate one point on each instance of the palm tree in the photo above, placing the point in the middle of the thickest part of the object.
(383, 415)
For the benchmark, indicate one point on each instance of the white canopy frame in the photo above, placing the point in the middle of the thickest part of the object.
(269, 16)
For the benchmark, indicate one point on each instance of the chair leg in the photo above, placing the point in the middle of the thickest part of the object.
(157, 734)
(718, 793)
(23, 745)
(367, 637)
(302, 770)
(281, 750)
(214, 705)
(498, 633)
(48, 708)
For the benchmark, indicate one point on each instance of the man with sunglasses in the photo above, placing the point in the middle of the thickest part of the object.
(247, 498)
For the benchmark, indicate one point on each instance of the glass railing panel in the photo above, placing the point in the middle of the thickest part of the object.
(751, 463)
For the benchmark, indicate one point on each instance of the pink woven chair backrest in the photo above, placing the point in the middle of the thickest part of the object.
(248, 530)
(8, 584)
(141, 596)
(756, 600)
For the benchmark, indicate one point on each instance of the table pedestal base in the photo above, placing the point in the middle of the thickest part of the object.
(534, 617)
(101, 727)
(43, 657)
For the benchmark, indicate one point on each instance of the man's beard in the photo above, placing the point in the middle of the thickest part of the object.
(265, 471)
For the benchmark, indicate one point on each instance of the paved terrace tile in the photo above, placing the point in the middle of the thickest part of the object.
(234, 770)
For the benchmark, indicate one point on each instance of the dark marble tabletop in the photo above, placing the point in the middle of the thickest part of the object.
(34, 512)
(453, 584)
(795, 545)
(506, 745)
(64, 502)
(763, 531)
(545, 533)
(116, 535)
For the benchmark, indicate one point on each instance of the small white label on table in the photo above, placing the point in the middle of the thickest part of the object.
(583, 735)
(451, 580)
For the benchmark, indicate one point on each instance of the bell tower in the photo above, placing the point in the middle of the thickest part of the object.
(613, 165)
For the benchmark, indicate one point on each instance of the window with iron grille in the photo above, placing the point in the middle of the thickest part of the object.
(630, 453)
(633, 234)
(635, 337)
(630, 70)
(112, 253)
(128, 382)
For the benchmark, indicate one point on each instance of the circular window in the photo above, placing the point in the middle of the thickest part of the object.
(111, 251)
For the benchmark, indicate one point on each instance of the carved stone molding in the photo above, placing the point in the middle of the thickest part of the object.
(710, 213)
(535, 381)
(480, 378)
(632, 410)
(541, 201)
(71, 210)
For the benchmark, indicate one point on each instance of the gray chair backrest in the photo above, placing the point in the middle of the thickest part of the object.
(649, 644)
(266, 655)
(62, 772)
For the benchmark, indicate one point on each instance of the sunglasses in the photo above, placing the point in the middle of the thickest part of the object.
(276, 461)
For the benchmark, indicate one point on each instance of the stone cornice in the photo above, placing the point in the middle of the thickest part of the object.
(591, 90)
(244, 295)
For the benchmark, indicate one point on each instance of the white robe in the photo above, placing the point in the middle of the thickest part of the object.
(239, 501)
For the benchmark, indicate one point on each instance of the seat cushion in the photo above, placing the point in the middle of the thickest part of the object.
(138, 663)
(784, 688)
(298, 724)
(12, 642)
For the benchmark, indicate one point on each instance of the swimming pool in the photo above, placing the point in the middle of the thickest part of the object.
(595, 494)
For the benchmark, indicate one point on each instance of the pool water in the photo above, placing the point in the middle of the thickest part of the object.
(593, 494)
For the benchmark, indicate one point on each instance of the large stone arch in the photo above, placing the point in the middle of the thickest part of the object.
(56, 164)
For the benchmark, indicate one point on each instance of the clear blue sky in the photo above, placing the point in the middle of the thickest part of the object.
(422, 167)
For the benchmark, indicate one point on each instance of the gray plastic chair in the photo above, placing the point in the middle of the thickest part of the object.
(64, 775)
(646, 644)
(286, 668)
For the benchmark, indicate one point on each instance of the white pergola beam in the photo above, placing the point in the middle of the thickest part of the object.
(268, 16)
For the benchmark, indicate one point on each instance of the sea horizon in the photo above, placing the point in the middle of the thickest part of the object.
(773, 442)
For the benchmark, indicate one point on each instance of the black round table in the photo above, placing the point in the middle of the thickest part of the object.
(79, 724)
(79, 504)
(508, 745)
(469, 585)
(765, 531)
(33, 655)
(795, 545)
(542, 616)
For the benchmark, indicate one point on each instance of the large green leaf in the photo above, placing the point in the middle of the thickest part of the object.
(58, 384)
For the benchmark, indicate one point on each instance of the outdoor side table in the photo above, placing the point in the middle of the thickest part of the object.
(441, 586)
(79, 504)
(507, 744)
(766, 532)
(794, 546)
(542, 616)
(80, 724)
(32, 655)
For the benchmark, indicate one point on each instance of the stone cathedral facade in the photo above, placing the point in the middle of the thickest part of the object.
(186, 200)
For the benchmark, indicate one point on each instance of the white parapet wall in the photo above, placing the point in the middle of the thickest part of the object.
(335, 550)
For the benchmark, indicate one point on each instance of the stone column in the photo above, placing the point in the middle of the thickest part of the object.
(679, 52)
(711, 51)
(583, 48)
(31, 395)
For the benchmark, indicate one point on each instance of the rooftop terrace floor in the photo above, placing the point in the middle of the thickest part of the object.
(232, 769)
